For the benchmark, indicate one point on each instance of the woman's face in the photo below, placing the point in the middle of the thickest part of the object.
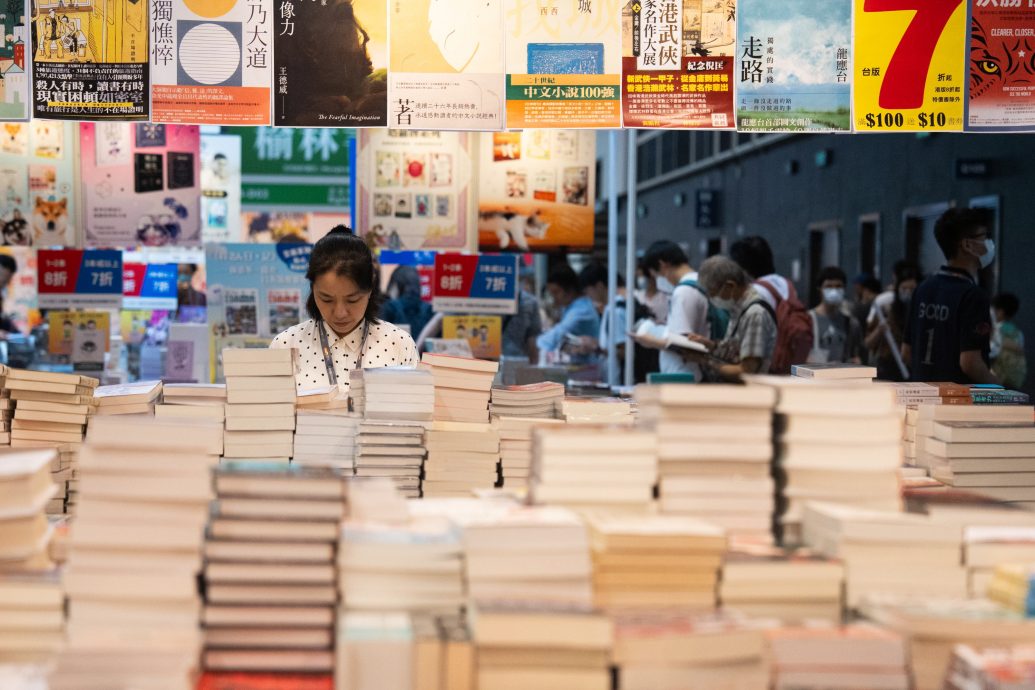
(341, 302)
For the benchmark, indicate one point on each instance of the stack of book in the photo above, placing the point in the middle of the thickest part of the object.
(762, 581)
(926, 554)
(613, 411)
(462, 387)
(32, 618)
(326, 438)
(913, 394)
(655, 561)
(193, 401)
(1013, 587)
(980, 395)
(6, 409)
(26, 487)
(835, 371)
(135, 553)
(323, 399)
(516, 448)
(443, 653)
(462, 457)
(594, 466)
(824, 455)
(394, 450)
(989, 458)
(58, 406)
(715, 451)
(986, 547)
(129, 398)
(676, 650)
(260, 410)
(532, 400)
(393, 394)
(376, 651)
(920, 423)
(859, 656)
(270, 579)
(1001, 668)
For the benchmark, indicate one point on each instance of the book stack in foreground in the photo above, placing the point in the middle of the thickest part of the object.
(762, 581)
(986, 547)
(260, 410)
(885, 552)
(516, 448)
(655, 561)
(269, 572)
(393, 394)
(854, 657)
(6, 409)
(533, 400)
(392, 450)
(323, 399)
(676, 650)
(999, 668)
(462, 387)
(375, 651)
(613, 411)
(462, 457)
(1013, 587)
(326, 438)
(590, 466)
(715, 451)
(835, 371)
(135, 554)
(912, 393)
(32, 618)
(129, 398)
(443, 653)
(26, 488)
(205, 401)
(990, 458)
(920, 423)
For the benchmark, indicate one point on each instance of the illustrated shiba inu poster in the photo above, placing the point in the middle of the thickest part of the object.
(37, 174)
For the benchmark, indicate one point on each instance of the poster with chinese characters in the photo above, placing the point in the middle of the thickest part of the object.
(414, 189)
(330, 63)
(90, 60)
(677, 63)
(37, 184)
(21, 303)
(793, 66)
(79, 279)
(140, 184)
(14, 61)
(564, 63)
(220, 187)
(446, 72)
(536, 190)
(149, 286)
(212, 61)
(1001, 96)
(909, 62)
(478, 283)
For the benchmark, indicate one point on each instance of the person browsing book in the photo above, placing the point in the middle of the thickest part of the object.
(343, 331)
(688, 305)
(578, 316)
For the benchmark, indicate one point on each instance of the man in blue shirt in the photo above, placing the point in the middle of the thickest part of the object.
(579, 316)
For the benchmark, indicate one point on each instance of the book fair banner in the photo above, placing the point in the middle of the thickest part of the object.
(414, 189)
(79, 279)
(91, 60)
(15, 55)
(909, 69)
(446, 72)
(37, 184)
(677, 63)
(482, 283)
(149, 286)
(220, 188)
(1001, 97)
(537, 190)
(793, 66)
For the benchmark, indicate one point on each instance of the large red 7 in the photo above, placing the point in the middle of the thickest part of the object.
(906, 76)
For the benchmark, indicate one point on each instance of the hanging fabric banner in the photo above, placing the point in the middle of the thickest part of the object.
(564, 65)
(1001, 97)
(909, 70)
(446, 72)
(793, 66)
(90, 61)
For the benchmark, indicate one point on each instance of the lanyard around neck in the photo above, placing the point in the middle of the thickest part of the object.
(328, 358)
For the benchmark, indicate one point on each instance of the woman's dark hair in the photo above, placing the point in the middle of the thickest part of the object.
(346, 255)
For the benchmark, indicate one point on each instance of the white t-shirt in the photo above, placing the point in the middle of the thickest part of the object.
(778, 283)
(687, 313)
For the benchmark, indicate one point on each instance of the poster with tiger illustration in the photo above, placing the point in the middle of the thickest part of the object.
(1001, 61)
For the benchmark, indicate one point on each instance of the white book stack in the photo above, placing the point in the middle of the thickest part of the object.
(135, 553)
(462, 457)
(993, 459)
(193, 401)
(260, 410)
(516, 448)
(323, 399)
(887, 552)
(612, 411)
(394, 394)
(32, 619)
(394, 450)
(462, 387)
(920, 423)
(590, 466)
(26, 487)
(826, 453)
(532, 400)
(326, 438)
(715, 452)
(6, 408)
(128, 398)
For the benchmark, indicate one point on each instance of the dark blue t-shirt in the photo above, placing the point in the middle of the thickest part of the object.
(949, 314)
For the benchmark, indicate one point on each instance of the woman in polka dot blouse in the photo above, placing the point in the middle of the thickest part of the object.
(344, 301)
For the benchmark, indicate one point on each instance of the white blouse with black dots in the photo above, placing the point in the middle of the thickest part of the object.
(387, 346)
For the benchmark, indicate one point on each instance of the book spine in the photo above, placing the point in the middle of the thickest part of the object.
(1005, 398)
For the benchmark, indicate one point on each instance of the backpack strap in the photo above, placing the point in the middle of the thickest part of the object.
(771, 290)
(761, 303)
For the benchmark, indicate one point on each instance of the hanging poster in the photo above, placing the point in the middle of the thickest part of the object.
(220, 187)
(536, 190)
(564, 66)
(255, 291)
(677, 63)
(90, 60)
(149, 286)
(65, 325)
(79, 279)
(14, 61)
(793, 66)
(1002, 72)
(140, 184)
(37, 179)
(414, 189)
(483, 333)
(422, 261)
(908, 70)
(212, 61)
(479, 283)
(330, 63)
(446, 72)
(20, 303)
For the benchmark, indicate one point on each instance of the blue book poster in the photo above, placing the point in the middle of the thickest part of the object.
(793, 66)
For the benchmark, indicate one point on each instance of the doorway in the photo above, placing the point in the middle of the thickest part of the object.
(921, 247)
(824, 250)
(869, 244)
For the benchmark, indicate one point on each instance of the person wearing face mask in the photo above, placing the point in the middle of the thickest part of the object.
(837, 335)
(668, 264)
(886, 323)
(948, 333)
(648, 294)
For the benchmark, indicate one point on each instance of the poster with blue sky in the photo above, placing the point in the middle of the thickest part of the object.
(793, 66)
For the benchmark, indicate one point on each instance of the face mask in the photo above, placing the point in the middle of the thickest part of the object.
(641, 283)
(989, 256)
(834, 296)
(729, 305)
(665, 286)
(904, 295)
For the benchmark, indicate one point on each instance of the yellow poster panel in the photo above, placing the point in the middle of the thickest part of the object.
(909, 66)
(64, 324)
(484, 333)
